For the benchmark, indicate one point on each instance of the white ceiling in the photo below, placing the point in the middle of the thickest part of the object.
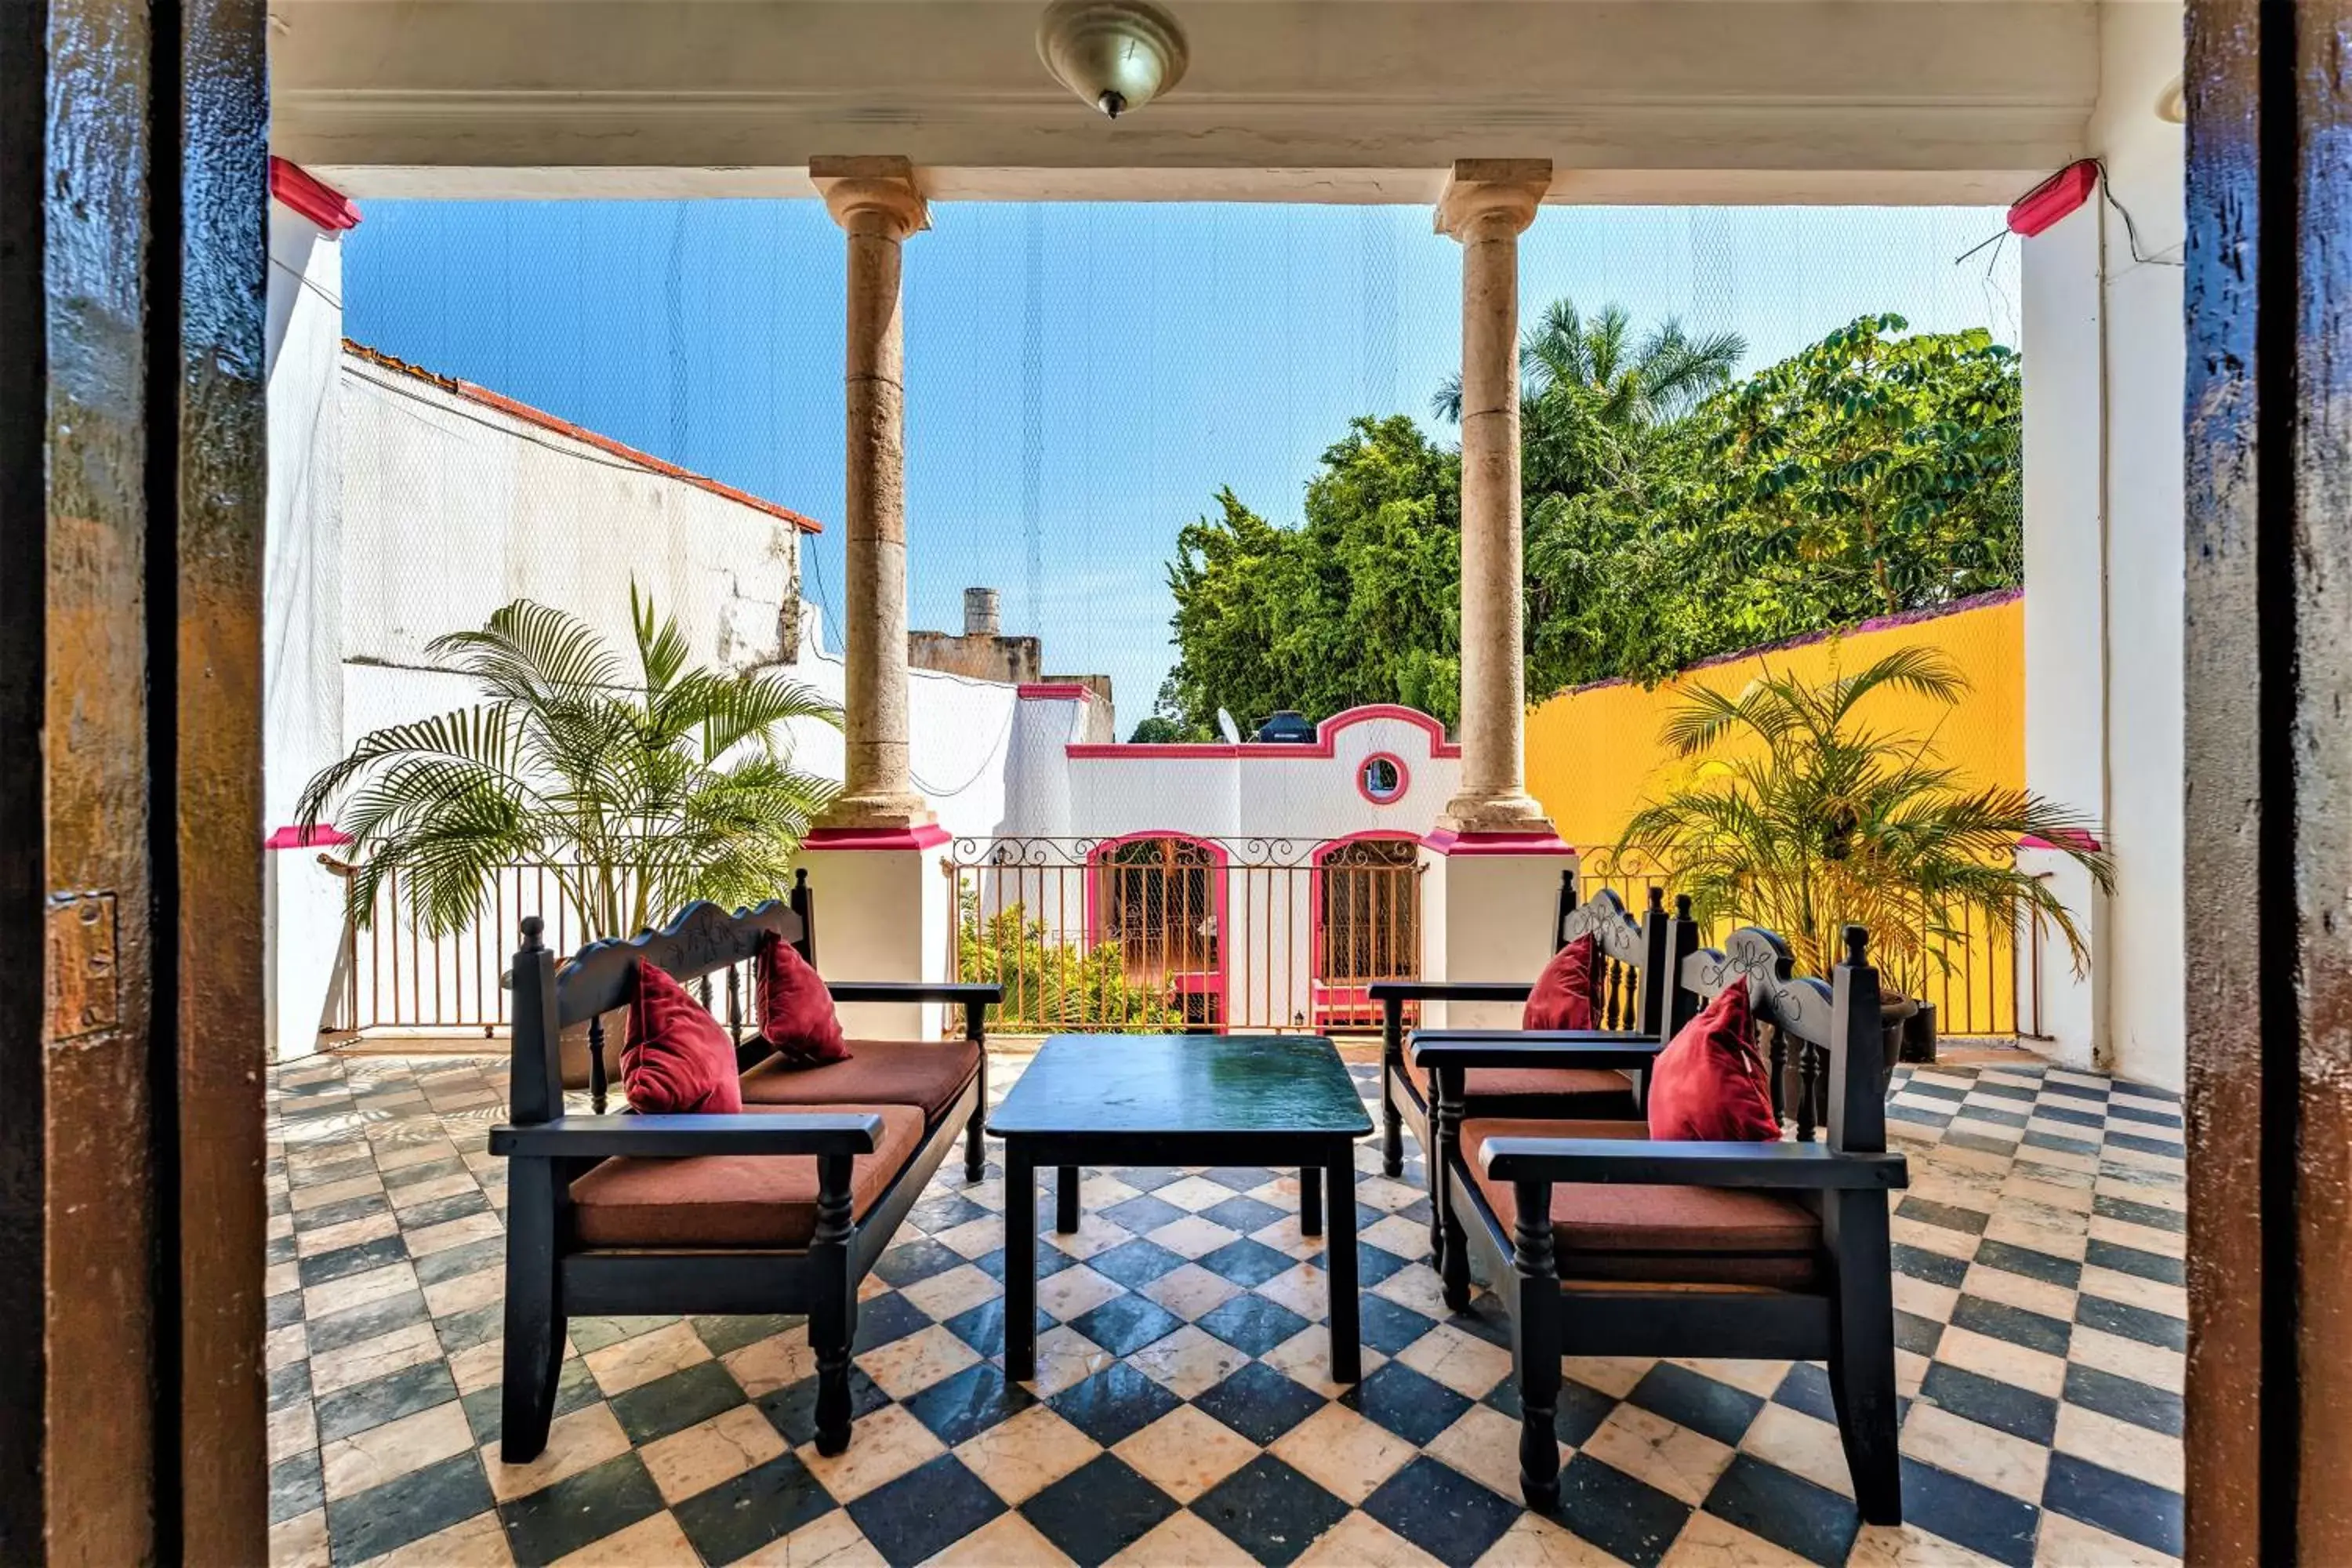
(1297, 99)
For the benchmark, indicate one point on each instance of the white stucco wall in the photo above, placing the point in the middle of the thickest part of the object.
(2104, 372)
(1265, 791)
(301, 616)
(455, 508)
(2146, 355)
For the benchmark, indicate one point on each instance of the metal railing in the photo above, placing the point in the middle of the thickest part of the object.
(398, 978)
(1171, 931)
(1971, 975)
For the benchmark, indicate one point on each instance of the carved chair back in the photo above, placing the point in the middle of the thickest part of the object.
(1833, 1026)
(701, 941)
(1632, 956)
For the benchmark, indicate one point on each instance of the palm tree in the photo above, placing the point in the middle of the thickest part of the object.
(1664, 377)
(637, 792)
(1803, 819)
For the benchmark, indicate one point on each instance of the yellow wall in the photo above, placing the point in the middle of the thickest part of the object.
(1593, 753)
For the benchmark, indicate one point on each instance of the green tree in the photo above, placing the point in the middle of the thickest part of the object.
(1871, 457)
(638, 790)
(1157, 729)
(1357, 604)
(1669, 518)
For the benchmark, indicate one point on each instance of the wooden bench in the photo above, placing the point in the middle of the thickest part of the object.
(781, 1209)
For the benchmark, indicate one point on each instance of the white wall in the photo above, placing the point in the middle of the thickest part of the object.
(2103, 371)
(454, 508)
(1264, 790)
(2147, 353)
(302, 618)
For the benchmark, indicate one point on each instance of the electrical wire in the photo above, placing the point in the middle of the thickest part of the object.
(2131, 229)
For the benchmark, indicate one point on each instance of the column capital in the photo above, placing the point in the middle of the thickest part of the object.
(1489, 196)
(872, 196)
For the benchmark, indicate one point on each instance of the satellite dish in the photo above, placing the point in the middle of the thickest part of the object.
(1228, 729)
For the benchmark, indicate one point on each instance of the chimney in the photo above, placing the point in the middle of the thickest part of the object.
(979, 613)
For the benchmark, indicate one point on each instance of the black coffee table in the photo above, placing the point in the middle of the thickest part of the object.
(1179, 1099)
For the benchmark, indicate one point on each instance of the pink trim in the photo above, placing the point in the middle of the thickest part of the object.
(2076, 840)
(326, 836)
(1877, 624)
(564, 427)
(1446, 841)
(928, 837)
(1053, 692)
(1091, 912)
(311, 196)
(1324, 745)
(1404, 778)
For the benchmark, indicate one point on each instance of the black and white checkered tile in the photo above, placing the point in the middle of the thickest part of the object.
(1181, 1413)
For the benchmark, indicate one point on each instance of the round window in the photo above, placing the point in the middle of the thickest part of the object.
(1381, 780)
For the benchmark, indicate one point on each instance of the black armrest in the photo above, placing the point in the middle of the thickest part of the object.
(1433, 1049)
(1451, 990)
(1664, 1162)
(965, 992)
(681, 1137)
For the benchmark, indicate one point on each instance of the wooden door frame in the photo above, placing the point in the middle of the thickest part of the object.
(133, 211)
(2269, 781)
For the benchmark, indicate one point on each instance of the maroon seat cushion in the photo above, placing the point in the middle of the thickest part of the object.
(1566, 992)
(1585, 1089)
(1658, 1235)
(1710, 1082)
(733, 1200)
(927, 1074)
(676, 1057)
(796, 1015)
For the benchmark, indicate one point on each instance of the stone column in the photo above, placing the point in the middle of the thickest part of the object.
(1487, 203)
(877, 206)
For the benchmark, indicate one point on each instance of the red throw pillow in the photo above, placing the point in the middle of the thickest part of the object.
(795, 1009)
(1710, 1082)
(677, 1057)
(1566, 991)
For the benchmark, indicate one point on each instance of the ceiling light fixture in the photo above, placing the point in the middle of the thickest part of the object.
(1117, 55)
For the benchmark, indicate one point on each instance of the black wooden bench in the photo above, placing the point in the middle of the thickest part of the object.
(781, 1209)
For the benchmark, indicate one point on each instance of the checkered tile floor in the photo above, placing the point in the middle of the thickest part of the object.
(1181, 1413)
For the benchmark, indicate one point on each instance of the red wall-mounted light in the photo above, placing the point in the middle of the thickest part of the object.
(2053, 198)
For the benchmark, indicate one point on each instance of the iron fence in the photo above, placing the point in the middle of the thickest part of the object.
(1971, 974)
(1171, 931)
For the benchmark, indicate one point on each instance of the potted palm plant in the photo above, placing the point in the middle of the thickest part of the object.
(638, 790)
(1797, 815)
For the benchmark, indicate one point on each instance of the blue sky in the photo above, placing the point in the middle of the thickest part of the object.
(1081, 378)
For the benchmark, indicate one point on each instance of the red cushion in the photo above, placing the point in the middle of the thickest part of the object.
(676, 1057)
(732, 1199)
(1565, 992)
(1710, 1082)
(797, 1012)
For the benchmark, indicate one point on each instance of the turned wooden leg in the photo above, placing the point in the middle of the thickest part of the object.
(1535, 1346)
(975, 1143)
(535, 1323)
(1862, 1353)
(1391, 1067)
(834, 1325)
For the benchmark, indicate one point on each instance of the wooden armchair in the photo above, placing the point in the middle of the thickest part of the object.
(1599, 1084)
(1601, 1242)
(781, 1209)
